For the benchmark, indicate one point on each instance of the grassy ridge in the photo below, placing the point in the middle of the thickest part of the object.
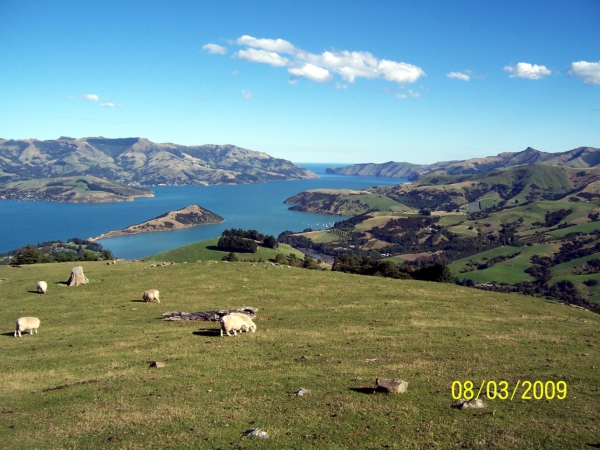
(84, 381)
(207, 250)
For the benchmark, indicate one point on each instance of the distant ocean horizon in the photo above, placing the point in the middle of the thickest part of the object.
(249, 206)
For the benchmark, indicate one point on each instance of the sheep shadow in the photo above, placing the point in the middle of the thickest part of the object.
(11, 334)
(34, 292)
(140, 301)
(363, 390)
(208, 332)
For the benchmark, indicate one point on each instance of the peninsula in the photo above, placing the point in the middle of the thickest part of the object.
(187, 217)
(80, 189)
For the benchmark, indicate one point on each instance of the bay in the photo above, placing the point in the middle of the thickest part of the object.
(249, 206)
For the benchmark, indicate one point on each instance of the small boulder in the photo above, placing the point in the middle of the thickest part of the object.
(301, 392)
(476, 403)
(257, 433)
(390, 385)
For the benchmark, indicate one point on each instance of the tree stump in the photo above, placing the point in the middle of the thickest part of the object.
(77, 277)
(207, 316)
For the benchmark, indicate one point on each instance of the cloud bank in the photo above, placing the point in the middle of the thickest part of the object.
(321, 68)
(526, 70)
(92, 97)
(588, 71)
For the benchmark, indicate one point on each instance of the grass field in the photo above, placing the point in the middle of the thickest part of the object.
(586, 227)
(321, 236)
(84, 380)
(509, 271)
(206, 250)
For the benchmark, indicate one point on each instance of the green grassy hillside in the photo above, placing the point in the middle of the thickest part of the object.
(207, 250)
(84, 380)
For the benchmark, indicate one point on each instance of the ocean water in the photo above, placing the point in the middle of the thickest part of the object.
(251, 206)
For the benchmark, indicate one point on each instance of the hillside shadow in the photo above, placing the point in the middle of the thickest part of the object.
(208, 332)
(363, 390)
(213, 247)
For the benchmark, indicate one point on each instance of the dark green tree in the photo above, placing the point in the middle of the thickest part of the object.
(269, 241)
(434, 272)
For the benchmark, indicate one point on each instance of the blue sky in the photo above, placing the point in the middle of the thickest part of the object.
(311, 81)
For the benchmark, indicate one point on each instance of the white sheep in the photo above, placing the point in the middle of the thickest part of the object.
(249, 323)
(42, 287)
(151, 295)
(232, 323)
(30, 324)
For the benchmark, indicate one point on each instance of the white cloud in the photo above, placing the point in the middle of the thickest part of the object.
(274, 45)
(262, 56)
(246, 95)
(109, 105)
(92, 97)
(588, 71)
(526, 70)
(349, 65)
(311, 72)
(214, 49)
(340, 86)
(458, 76)
(400, 72)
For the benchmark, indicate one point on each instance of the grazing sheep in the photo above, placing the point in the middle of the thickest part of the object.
(30, 324)
(249, 323)
(42, 287)
(232, 323)
(150, 295)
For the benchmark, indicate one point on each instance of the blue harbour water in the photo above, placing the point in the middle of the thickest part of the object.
(251, 206)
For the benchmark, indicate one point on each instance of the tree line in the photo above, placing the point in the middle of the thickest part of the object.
(74, 249)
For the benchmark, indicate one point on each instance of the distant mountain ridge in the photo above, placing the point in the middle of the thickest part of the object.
(582, 157)
(138, 161)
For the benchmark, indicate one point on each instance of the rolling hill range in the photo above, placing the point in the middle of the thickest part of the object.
(139, 161)
(84, 381)
(491, 229)
(582, 157)
(450, 192)
(513, 185)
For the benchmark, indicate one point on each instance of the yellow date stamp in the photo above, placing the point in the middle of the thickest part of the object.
(503, 390)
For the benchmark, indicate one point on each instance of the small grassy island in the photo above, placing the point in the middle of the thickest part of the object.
(187, 217)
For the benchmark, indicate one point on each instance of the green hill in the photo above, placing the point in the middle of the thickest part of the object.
(207, 251)
(84, 380)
